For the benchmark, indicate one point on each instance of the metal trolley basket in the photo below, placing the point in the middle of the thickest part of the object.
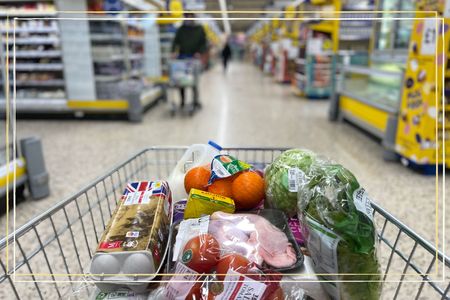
(47, 258)
(183, 73)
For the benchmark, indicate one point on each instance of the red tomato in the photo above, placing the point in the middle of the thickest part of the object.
(201, 253)
(235, 262)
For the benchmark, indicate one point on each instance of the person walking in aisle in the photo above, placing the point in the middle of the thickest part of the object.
(226, 55)
(190, 42)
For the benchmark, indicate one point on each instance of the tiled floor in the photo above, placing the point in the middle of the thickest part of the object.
(240, 108)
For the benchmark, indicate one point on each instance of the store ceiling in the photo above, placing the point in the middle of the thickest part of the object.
(239, 5)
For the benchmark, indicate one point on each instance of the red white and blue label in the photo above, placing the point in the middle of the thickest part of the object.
(140, 192)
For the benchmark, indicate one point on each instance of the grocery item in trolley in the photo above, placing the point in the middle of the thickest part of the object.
(133, 247)
(202, 203)
(230, 248)
(336, 216)
(196, 155)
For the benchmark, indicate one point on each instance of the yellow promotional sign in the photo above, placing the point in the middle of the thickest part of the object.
(421, 102)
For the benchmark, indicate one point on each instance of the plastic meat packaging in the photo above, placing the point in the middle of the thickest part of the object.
(134, 243)
(232, 256)
(337, 216)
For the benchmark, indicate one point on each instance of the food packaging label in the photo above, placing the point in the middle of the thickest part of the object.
(293, 179)
(224, 166)
(178, 211)
(181, 283)
(322, 244)
(187, 230)
(238, 286)
(296, 230)
(363, 202)
(139, 220)
(202, 203)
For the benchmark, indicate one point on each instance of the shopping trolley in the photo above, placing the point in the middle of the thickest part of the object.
(48, 256)
(183, 73)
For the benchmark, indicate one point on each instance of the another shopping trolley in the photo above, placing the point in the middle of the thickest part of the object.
(48, 257)
(184, 73)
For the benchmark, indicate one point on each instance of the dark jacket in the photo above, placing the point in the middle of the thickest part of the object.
(189, 40)
(226, 52)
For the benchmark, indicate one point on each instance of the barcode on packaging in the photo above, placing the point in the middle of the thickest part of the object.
(293, 179)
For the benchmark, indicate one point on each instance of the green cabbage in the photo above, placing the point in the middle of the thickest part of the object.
(277, 181)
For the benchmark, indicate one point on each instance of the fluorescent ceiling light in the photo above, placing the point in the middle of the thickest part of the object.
(226, 22)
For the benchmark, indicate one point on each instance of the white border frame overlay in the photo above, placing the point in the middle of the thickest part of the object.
(11, 113)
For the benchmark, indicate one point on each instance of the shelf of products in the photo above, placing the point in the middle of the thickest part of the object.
(166, 37)
(38, 65)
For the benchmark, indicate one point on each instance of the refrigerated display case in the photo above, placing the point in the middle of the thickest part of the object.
(369, 97)
(397, 98)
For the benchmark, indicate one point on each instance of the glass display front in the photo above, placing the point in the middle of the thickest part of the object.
(373, 85)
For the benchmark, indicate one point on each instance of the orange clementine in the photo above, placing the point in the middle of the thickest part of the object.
(248, 190)
(197, 178)
(222, 187)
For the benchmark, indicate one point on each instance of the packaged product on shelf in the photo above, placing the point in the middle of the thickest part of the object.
(341, 235)
(133, 246)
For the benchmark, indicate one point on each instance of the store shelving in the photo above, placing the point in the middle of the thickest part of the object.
(38, 61)
(79, 65)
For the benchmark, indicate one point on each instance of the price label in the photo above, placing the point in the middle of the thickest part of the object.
(428, 46)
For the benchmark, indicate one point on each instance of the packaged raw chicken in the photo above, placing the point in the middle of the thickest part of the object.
(214, 253)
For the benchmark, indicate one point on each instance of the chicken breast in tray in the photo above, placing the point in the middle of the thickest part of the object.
(254, 237)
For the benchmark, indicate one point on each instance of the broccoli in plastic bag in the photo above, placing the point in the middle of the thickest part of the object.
(338, 215)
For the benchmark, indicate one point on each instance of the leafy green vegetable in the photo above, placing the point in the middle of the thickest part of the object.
(277, 179)
(326, 195)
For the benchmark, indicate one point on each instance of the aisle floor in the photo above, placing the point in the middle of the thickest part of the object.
(240, 108)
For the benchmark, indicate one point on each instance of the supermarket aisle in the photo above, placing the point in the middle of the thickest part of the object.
(241, 108)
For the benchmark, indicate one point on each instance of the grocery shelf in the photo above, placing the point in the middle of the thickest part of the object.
(38, 83)
(33, 54)
(353, 37)
(136, 39)
(31, 30)
(26, 13)
(108, 78)
(109, 58)
(33, 40)
(136, 56)
(106, 37)
(37, 105)
(37, 67)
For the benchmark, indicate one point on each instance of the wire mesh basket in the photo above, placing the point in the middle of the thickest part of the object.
(47, 257)
(184, 72)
